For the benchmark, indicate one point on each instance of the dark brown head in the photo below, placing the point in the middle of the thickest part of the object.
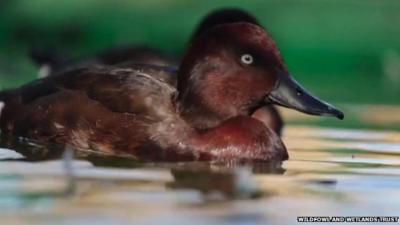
(233, 69)
(223, 16)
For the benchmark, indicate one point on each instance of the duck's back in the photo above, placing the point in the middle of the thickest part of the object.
(96, 108)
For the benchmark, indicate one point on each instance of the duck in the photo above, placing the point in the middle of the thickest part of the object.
(225, 75)
(131, 56)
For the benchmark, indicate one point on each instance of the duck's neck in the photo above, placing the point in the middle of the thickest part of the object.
(198, 115)
(206, 106)
(205, 100)
(190, 102)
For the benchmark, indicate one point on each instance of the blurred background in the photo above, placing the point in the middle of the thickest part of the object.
(344, 51)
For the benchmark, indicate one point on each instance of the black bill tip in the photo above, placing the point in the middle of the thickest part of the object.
(332, 111)
(340, 115)
(291, 94)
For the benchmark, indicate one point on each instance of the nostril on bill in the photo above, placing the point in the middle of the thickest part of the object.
(299, 92)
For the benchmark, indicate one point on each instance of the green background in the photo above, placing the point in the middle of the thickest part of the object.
(345, 51)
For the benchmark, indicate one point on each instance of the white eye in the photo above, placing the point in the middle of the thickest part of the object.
(247, 59)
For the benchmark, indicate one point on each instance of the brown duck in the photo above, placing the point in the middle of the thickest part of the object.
(226, 74)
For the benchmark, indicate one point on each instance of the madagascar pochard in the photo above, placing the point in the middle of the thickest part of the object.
(226, 74)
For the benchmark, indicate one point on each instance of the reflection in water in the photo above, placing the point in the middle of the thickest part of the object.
(230, 180)
(331, 172)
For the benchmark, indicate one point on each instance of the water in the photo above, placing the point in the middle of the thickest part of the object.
(331, 172)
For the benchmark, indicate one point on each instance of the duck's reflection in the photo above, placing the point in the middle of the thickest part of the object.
(224, 179)
(237, 183)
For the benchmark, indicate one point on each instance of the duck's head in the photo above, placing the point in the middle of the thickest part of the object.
(235, 68)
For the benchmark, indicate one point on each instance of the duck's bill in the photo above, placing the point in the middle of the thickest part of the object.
(291, 94)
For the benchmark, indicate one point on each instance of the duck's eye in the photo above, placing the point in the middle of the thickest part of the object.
(246, 59)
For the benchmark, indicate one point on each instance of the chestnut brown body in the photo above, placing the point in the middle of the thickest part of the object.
(124, 111)
(226, 74)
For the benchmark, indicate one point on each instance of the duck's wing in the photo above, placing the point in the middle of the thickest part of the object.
(133, 91)
(105, 106)
(120, 90)
(165, 73)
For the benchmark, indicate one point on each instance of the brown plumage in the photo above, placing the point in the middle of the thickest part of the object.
(125, 111)
(129, 111)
